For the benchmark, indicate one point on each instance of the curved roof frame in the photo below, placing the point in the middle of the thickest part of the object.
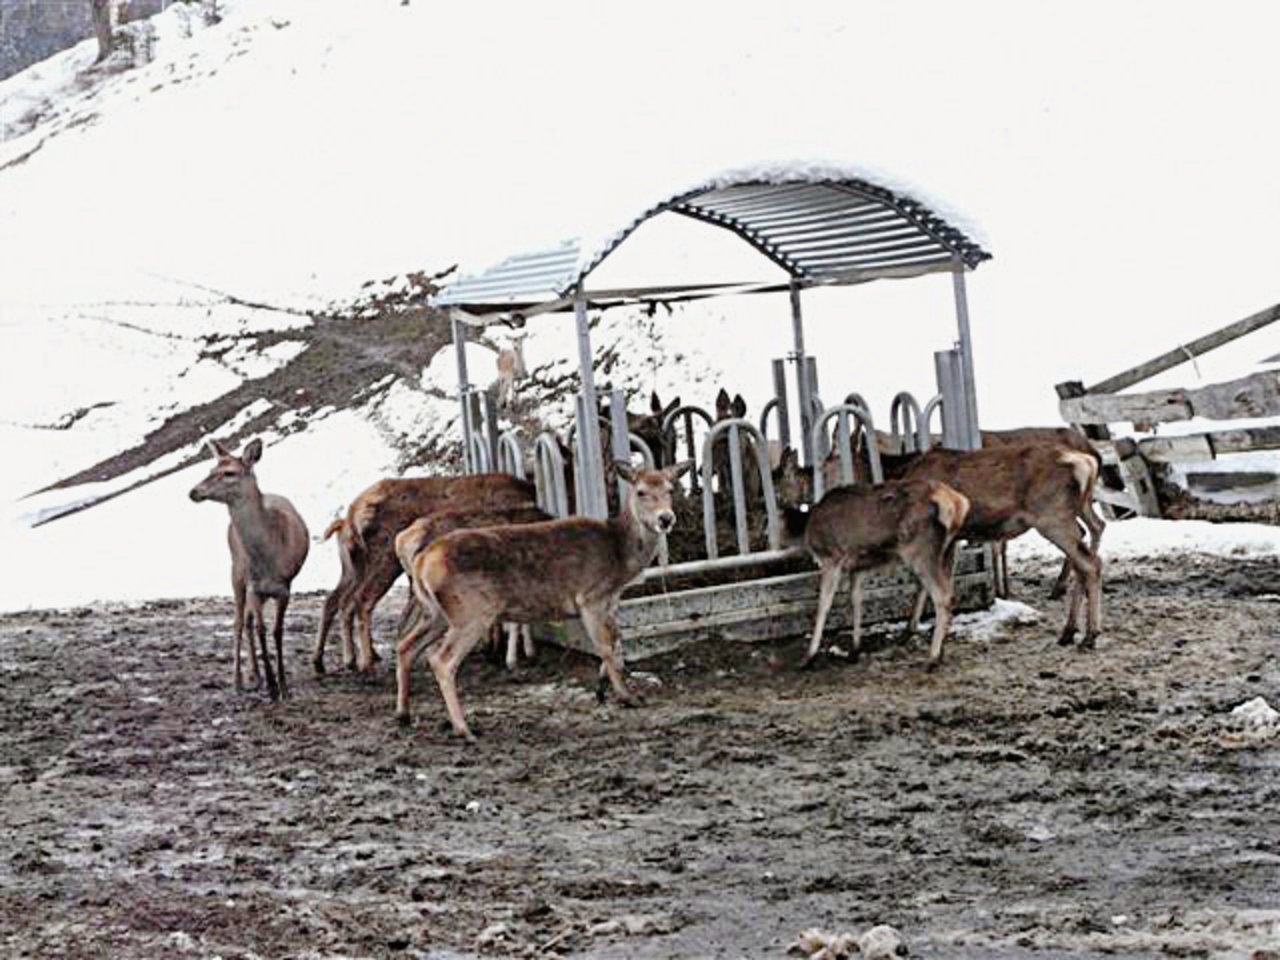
(821, 230)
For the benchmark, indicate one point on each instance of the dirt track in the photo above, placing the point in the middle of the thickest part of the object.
(1024, 801)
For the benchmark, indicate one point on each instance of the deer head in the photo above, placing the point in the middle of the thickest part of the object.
(651, 494)
(231, 476)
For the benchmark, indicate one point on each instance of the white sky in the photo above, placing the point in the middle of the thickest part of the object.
(1119, 160)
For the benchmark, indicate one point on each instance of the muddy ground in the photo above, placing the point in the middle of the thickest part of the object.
(1023, 801)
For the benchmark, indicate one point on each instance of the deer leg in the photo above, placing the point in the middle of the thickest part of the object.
(424, 631)
(826, 593)
(934, 567)
(1069, 540)
(917, 613)
(526, 635)
(331, 603)
(602, 628)
(513, 645)
(348, 636)
(238, 590)
(461, 639)
(255, 609)
(855, 599)
(282, 604)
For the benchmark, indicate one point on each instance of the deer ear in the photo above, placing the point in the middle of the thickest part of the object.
(678, 470)
(216, 450)
(673, 405)
(252, 453)
(739, 406)
(655, 405)
(625, 470)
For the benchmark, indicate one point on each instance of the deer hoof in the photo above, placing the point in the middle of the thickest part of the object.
(932, 665)
(318, 665)
(1089, 642)
(1067, 637)
(807, 661)
(602, 691)
(404, 720)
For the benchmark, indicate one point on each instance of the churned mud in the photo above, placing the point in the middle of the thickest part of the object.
(1023, 801)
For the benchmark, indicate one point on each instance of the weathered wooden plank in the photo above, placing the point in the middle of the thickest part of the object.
(1257, 395)
(1244, 440)
(1179, 355)
(1192, 448)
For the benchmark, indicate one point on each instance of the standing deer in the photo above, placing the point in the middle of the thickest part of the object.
(366, 545)
(268, 543)
(511, 368)
(575, 567)
(860, 528)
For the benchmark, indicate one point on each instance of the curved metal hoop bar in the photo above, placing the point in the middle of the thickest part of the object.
(510, 456)
(688, 412)
(768, 408)
(548, 475)
(735, 427)
(926, 416)
(904, 423)
(480, 461)
(865, 424)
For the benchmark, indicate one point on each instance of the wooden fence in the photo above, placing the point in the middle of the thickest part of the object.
(1128, 482)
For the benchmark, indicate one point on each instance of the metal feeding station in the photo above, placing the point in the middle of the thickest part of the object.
(824, 229)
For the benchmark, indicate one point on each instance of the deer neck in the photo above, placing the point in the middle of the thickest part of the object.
(250, 518)
(638, 543)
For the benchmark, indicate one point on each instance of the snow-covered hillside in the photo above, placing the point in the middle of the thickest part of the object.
(300, 148)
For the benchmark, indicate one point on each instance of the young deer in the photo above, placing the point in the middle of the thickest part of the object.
(511, 368)
(575, 567)
(420, 534)
(860, 528)
(268, 543)
(1014, 489)
(366, 544)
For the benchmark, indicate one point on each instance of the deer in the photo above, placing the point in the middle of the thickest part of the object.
(511, 367)
(269, 544)
(1054, 436)
(575, 567)
(366, 546)
(1011, 490)
(1014, 489)
(861, 528)
(416, 537)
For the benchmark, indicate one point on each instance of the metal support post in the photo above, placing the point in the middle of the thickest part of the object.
(803, 386)
(460, 349)
(780, 393)
(590, 462)
(973, 440)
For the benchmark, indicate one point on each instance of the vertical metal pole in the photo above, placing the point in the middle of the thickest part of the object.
(592, 464)
(460, 349)
(489, 417)
(802, 376)
(974, 440)
(619, 439)
(780, 392)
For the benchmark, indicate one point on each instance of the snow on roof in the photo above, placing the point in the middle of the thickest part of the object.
(822, 224)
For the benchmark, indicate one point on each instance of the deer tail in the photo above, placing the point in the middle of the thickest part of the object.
(950, 508)
(1084, 469)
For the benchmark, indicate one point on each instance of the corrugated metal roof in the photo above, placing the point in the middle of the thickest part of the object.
(820, 231)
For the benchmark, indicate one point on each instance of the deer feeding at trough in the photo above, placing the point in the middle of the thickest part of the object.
(1013, 489)
(575, 567)
(269, 543)
(420, 534)
(861, 528)
(366, 545)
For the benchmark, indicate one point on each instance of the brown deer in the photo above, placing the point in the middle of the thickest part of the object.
(575, 567)
(511, 368)
(861, 528)
(366, 545)
(1053, 436)
(1014, 489)
(268, 543)
(416, 537)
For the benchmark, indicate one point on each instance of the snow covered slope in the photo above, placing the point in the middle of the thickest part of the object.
(300, 148)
